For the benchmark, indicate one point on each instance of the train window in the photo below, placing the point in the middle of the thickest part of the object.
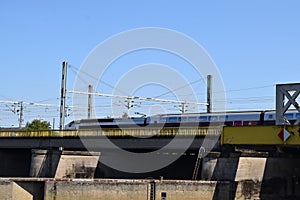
(223, 117)
(203, 118)
(249, 116)
(184, 119)
(193, 119)
(162, 119)
(174, 119)
(213, 118)
(297, 115)
(270, 116)
(233, 117)
(289, 115)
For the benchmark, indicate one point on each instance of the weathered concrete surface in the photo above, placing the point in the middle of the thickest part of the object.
(5, 189)
(34, 186)
(281, 176)
(100, 189)
(11, 191)
(96, 190)
(63, 164)
(18, 193)
(77, 164)
(229, 176)
(257, 177)
(79, 189)
(192, 190)
(248, 189)
(136, 189)
(44, 162)
(250, 168)
(218, 169)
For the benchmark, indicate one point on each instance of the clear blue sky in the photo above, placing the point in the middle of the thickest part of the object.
(254, 44)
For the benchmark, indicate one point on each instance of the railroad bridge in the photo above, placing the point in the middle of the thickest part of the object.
(254, 160)
(266, 139)
(267, 156)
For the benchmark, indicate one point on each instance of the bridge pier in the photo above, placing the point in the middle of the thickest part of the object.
(54, 163)
(44, 162)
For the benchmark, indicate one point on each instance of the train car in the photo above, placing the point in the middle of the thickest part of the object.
(290, 116)
(206, 119)
(247, 118)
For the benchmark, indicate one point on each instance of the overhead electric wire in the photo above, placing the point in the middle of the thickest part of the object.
(95, 78)
(47, 100)
(113, 87)
(181, 87)
(250, 88)
(132, 97)
(136, 97)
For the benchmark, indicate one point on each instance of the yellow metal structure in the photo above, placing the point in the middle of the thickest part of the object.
(259, 135)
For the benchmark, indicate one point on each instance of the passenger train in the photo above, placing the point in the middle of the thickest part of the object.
(251, 118)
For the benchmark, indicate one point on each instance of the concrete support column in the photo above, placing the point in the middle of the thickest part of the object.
(63, 164)
(44, 162)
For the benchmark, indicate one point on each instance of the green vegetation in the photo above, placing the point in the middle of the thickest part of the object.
(37, 125)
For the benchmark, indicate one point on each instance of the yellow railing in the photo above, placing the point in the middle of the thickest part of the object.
(143, 131)
(243, 135)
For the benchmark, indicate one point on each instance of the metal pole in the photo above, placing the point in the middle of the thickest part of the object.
(63, 96)
(53, 123)
(21, 115)
(279, 106)
(90, 103)
(183, 108)
(209, 93)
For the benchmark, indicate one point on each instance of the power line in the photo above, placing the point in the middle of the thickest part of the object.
(191, 83)
(245, 89)
(95, 78)
(135, 97)
(250, 88)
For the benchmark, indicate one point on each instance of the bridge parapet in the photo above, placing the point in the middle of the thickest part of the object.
(118, 132)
